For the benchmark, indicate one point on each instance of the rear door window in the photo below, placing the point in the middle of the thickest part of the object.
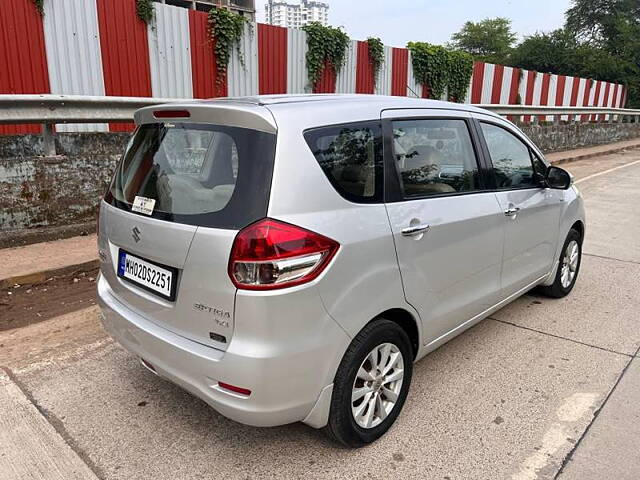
(435, 157)
(198, 174)
(350, 155)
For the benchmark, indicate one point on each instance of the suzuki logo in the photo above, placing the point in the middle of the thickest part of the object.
(136, 234)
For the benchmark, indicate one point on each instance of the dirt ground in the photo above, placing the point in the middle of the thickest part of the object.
(23, 305)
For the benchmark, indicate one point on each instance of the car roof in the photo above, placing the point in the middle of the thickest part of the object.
(303, 111)
(312, 110)
(309, 99)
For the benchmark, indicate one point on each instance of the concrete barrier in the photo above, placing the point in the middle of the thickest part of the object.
(557, 138)
(45, 198)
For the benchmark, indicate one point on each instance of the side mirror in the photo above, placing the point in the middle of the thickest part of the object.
(558, 178)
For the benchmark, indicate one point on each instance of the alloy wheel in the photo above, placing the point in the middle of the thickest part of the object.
(569, 264)
(377, 385)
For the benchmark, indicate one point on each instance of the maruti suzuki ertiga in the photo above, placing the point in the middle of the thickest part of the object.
(288, 258)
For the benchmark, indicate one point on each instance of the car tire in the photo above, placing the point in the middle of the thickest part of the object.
(567, 271)
(355, 423)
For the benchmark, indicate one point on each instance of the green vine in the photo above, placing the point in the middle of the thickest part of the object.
(460, 71)
(430, 67)
(326, 45)
(438, 69)
(376, 55)
(144, 9)
(225, 30)
(39, 5)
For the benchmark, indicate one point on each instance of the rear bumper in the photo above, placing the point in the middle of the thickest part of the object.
(285, 383)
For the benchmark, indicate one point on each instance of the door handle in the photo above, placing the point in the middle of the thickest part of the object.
(512, 211)
(415, 230)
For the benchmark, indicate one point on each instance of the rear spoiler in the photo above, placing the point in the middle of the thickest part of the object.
(244, 115)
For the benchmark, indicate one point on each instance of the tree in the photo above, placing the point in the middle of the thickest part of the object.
(607, 23)
(613, 27)
(553, 52)
(489, 40)
(561, 53)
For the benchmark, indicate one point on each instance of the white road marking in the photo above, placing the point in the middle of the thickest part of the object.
(607, 171)
(555, 438)
(576, 406)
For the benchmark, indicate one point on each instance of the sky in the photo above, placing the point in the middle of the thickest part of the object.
(397, 22)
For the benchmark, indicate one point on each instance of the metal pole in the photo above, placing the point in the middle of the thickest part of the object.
(48, 140)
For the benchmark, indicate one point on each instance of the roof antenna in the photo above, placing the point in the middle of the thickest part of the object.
(411, 90)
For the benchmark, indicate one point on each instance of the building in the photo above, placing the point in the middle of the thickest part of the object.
(245, 8)
(295, 15)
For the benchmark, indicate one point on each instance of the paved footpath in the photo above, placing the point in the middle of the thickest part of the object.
(543, 389)
(590, 152)
(35, 263)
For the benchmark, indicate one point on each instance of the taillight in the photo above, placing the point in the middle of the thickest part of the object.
(270, 254)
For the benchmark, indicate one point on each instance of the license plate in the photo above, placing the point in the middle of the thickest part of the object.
(148, 275)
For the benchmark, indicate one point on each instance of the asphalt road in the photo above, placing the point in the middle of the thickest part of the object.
(543, 389)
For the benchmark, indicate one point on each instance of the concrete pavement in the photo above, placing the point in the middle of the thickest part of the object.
(43, 453)
(514, 397)
(610, 450)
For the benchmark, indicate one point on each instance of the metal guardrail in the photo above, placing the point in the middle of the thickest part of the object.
(51, 109)
(519, 110)
(71, 108)
(535, 113)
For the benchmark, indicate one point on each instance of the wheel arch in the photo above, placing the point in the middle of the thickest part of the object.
(405, 320)
(578, 225)
(319, 414)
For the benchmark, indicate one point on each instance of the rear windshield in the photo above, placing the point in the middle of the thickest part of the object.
(198, 174)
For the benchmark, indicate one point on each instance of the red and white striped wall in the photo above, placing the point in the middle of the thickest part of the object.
(100, 47)
(73, 52)
(493, 84)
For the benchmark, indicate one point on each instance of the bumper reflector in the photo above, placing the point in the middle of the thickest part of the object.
(233, 388)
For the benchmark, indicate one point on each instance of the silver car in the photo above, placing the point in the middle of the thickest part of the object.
(288, 258)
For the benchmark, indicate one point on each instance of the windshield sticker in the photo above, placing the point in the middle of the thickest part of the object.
(143, 205)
